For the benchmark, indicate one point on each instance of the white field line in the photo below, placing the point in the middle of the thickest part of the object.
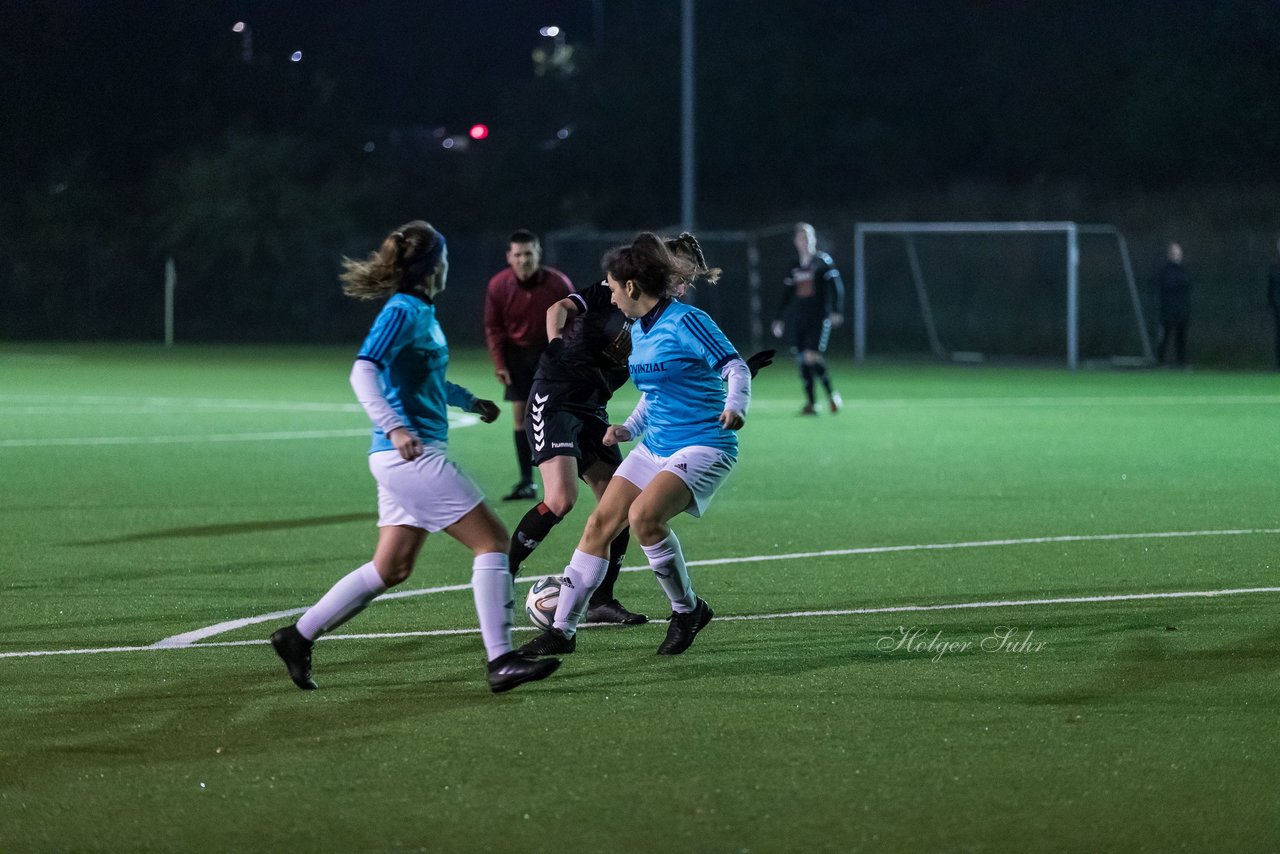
(187, 439)
(189, 639)
(845, 612)
(179, 404)
(456, 421)
(966, 402)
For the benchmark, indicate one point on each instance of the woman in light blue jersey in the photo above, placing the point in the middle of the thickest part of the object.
(681, 362)
(399, 379)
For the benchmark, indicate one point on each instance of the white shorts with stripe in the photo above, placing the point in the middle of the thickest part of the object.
(430, 492)
(701, 468)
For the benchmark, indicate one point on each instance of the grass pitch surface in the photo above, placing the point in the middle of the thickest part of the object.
(151, 495)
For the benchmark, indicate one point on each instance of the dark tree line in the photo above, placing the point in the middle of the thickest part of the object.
(139, 131)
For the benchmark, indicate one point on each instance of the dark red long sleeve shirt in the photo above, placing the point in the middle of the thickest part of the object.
(515, 312)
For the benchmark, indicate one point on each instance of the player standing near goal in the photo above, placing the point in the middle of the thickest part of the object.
(515, 313)
(399, 379)
(584, 364)
(680, 361)
(815, 294)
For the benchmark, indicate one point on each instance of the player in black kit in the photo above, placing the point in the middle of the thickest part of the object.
(815, 295)
(584, 364)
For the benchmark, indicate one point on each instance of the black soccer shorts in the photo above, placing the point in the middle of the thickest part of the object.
(563, 422)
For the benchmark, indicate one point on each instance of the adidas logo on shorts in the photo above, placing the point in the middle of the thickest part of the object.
(683, 467)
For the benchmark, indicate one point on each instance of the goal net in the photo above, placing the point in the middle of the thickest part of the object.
(968, 291)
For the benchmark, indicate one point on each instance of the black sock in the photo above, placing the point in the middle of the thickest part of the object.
(531, 531)
(806, 375)
(524, 455)
(617, 551)
(820, 371)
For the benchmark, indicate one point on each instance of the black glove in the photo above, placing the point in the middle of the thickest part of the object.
(555, 349)
(763, 359)
(486, 409)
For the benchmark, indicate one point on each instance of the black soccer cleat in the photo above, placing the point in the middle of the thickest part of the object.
(614, 611)
(550, 642)
(521, 492)
(295, 651)
(513, 668)
(685, 627)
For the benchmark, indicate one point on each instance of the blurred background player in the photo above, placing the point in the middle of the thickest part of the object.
(815, 295)
(1174, 286)
(680, 361)
(1273, 297)
(515, 329)
(399, 379)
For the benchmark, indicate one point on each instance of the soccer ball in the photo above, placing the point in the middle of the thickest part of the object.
(540, 605)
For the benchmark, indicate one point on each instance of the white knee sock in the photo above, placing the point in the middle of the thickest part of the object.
(667, 562)
(582, 576)
(494, 592)
(344, 600)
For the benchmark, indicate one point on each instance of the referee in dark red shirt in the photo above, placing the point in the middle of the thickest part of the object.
(515, 328)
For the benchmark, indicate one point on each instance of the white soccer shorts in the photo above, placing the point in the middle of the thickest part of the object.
(701, 468)
(430, 492)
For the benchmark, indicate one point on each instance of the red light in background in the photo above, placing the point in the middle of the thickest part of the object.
(479, 131)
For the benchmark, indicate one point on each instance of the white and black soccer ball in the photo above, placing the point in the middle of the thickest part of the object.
(540, 604)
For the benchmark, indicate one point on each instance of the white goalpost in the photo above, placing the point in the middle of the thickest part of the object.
(1013, 280)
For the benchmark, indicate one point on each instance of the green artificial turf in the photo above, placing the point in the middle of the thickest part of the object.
(147, 493)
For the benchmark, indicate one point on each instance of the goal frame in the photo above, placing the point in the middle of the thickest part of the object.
(1070, 231)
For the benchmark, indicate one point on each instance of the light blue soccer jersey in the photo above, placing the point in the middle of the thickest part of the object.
(676, 363)
(408, 346)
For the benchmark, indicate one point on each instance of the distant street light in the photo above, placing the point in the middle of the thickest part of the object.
(296, 57)
(557, 61)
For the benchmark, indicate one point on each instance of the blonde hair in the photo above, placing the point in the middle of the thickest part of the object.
(411, 258)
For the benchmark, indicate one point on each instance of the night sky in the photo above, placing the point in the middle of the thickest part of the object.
(145, 125)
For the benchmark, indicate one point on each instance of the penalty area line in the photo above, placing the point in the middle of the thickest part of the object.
(784, 615)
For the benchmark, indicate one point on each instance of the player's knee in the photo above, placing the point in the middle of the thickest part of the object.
(559, 504)
(394, 570)
(648, 526)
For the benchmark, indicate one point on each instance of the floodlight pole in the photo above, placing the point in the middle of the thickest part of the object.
(687, 176)
(170, 286)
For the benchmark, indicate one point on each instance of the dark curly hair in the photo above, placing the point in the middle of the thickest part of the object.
(647, 261)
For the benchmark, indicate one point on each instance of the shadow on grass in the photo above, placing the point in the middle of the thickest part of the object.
(248, 710)
(229, 528)
(1155, 661)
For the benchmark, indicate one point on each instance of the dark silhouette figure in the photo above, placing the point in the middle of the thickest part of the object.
(1174, 283)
